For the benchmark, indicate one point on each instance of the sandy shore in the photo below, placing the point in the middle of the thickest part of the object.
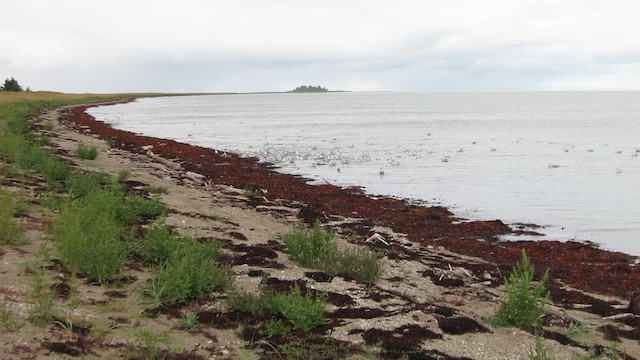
(441, 280)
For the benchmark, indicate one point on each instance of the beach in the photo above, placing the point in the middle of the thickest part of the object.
(441, 281)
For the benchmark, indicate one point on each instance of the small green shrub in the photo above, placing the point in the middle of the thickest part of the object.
(524, 303)
(299, 312)
(160, 243)
(303, 312)
(318, 248)
(86, 153)
(48, 125)
(275, 327)
(88, 233)
(147, 208)
(44, 141)
(361, 264)
(257, 305)
(10, 233)
(79, 185)
(311, 247)
(190, 273)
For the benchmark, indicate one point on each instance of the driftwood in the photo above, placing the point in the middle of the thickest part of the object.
(163, 161)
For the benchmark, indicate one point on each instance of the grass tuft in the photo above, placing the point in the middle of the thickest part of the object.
(190, 273)
(289, 311)
(86, 153)
(318, 248)
(10, 232)
(311, 247)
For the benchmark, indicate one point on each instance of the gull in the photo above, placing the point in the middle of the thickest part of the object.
(618, 171)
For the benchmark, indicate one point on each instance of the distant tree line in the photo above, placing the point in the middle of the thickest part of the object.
(309, 88)
(12, 85)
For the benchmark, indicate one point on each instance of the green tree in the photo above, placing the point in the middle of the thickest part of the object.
(11, 85)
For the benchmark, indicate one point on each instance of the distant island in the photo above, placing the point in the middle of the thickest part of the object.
(308, 89)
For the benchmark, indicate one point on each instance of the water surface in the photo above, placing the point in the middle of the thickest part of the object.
(567, 160)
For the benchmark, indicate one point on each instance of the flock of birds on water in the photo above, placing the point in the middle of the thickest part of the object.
(334, 157)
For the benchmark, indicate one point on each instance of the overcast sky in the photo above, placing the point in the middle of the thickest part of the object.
(265, 45)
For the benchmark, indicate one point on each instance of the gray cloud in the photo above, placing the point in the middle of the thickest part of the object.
(262, 45)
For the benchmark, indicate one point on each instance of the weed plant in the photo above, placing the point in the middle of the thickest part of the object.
(148, 345)
(160, 243)
(361, 264)
(10, 233)
(251, 193)
(43, 141)
(290, 311)
(190, 273)
(303, 312)
(43, 311)
(86, 153)
(539, 351)
(314, 348)
(318, 248)
(146, 209)
(525, 301)
(311, 247)
(9, 320)
(189, 321)
(258, 305)
(88, 233)
(79, 185)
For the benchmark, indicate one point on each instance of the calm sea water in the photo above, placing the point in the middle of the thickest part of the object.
(569, 161)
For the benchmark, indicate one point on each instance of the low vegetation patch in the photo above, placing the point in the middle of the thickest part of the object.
(89, 233)
(10, 232)
(288, 311)
(318, 248)
(86, 153)
(525, 300)
(186, 269)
